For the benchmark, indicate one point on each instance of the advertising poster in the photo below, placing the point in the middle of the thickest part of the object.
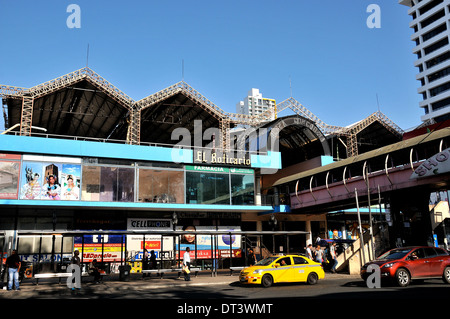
(207, 246)
(50, 181)
(93, 248)
(9, 176)
(31, 184)
(161, 245)
(70, 182)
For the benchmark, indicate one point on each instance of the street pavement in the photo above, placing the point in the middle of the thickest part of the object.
(111, 286)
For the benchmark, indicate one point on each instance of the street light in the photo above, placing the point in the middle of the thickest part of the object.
(175, 222)
(273, 222)
(174, 219)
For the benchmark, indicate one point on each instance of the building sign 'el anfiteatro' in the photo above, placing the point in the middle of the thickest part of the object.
(222, 158)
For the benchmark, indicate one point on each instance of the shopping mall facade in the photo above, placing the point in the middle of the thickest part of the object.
(85, 167)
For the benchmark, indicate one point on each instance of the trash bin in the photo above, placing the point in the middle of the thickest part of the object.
(124, 272)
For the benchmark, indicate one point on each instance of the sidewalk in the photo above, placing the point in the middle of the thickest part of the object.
(112, 287)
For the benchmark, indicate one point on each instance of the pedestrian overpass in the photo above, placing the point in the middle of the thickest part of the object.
(401, 176)
(378, 172)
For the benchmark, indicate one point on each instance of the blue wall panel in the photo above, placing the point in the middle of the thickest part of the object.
(50, 146)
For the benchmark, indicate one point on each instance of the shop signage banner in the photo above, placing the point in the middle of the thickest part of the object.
(209, 157)
(435, 165)
(213, 169)
(149, 224)
(216, 169)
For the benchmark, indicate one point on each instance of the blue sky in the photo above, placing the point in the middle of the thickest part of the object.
(337, 66)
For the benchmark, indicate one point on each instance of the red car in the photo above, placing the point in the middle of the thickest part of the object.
(408, 263)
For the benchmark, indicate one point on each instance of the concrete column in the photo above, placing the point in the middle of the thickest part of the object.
(308, 229)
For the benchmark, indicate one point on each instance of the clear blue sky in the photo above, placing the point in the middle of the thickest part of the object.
(337, 65)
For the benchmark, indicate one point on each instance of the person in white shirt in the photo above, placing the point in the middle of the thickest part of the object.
(187, 263)
(309, 252)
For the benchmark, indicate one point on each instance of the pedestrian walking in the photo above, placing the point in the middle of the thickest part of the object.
(187, 265)
(13, 263)
(333, 257)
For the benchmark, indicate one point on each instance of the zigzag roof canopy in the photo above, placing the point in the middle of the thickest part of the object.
(82, 103)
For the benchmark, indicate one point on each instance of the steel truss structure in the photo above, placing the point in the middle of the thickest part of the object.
(226, 120)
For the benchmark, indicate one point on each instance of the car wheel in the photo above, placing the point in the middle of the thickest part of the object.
(267, 281)
(402, 277)
(446, 275)
(312, 278)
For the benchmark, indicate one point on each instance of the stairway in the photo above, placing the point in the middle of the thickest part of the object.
(352, 259)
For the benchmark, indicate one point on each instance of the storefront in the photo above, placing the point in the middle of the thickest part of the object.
(88, 187)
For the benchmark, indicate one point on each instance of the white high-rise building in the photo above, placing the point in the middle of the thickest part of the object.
(431, 25)
(255, 104)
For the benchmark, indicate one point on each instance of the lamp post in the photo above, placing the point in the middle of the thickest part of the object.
(273, 222)
(174, 224)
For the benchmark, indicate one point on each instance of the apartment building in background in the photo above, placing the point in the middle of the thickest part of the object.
(431, 25)
(254, 103)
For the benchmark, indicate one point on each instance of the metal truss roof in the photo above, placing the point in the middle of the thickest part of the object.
(83, 102)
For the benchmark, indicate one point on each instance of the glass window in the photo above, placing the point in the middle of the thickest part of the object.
(300, 260)
(161, 186)
(108, 184)
(440, 252)
(430, 252)
(90, 186)
(145, 185)
(242, 189)
(207, 188)
(286, 261)
(125, 185)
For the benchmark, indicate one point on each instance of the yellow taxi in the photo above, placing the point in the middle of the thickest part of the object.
(288, 268)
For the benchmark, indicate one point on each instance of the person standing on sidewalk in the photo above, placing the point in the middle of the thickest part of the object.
(319, 254)
(13, 263)
(251, 257)
(309, 252)
(77, 262)
(187, 264)
(145, 263)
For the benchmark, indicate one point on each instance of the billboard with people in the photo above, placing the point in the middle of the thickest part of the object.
(50, 181)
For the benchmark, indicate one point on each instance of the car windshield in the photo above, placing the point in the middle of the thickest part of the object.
(266, 261)
(395, 254)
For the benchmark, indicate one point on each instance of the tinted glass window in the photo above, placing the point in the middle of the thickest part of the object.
(395, 253)
(207, 188)
(242, 189)
(430, 252)
(299, 261)
(440, 252)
